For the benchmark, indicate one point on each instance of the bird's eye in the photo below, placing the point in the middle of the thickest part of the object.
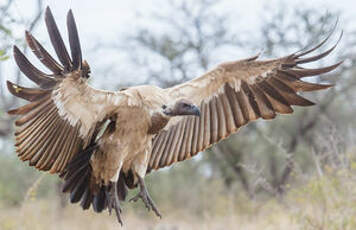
(164, 107)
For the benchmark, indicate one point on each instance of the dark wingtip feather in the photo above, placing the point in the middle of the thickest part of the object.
(11, 88)
(74, 41)
(300, 73)
(306, 49)
(306, 103)
(306, 87)
(25, 93)
(37, 76)
(57, 40)
(12, 112)
(42, 54)
(319, 56)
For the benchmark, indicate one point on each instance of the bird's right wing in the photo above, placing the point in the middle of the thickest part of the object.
(64, 113)
(232, 95)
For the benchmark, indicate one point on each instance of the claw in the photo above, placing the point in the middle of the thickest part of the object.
(145, 197)
(114, 203)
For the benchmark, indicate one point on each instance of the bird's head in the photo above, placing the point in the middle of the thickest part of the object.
(181, 107)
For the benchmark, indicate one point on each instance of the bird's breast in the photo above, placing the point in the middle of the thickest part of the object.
(122, 143)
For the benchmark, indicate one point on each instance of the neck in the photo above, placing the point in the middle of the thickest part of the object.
(158, 122)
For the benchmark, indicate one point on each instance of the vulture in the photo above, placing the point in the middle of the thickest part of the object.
(103, 143)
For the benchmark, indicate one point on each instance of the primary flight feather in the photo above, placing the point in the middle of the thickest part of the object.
(103, 143)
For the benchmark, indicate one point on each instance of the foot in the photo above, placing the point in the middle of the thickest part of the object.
(145, 197)
(113, 202)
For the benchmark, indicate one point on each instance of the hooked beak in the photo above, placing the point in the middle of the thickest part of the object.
(195, 111)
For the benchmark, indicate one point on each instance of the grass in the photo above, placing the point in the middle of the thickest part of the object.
(326, 202)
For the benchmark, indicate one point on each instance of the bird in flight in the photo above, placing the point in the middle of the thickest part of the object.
(102, 143)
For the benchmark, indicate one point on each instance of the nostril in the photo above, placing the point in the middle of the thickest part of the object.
(164, 107)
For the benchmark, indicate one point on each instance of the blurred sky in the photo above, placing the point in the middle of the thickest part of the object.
(102, 22)
(111, 16)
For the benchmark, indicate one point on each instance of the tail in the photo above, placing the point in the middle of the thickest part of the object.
(77, 181)
(77, 177)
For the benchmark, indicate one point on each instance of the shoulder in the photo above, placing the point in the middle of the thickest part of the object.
(149, 96)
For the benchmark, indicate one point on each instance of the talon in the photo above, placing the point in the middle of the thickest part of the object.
(113, 202)
(108, 196)
(135, 198)
(145, 197)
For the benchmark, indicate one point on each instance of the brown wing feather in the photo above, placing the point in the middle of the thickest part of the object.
(74, 41)
(232, 95)
(57, 40)
(43, 55)
(63, 113)
(43, 80)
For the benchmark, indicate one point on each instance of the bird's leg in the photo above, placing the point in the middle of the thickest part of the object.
(113, 201)
(145, 197)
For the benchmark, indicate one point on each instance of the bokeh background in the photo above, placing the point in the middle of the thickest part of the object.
(295, 172)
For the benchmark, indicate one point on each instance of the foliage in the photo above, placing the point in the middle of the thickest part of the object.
(3, 55)
(323, 202)
(16, 179)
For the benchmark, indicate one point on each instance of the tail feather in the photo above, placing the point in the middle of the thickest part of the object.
(100, 200)
(122, 187)
(81, 159)
(78, 183)
(77, 178)
(73, 179)
(87, 198)
(79, 188)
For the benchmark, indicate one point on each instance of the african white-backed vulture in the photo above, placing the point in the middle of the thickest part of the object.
(102, 143)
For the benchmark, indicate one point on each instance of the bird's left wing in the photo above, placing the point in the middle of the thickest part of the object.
(232, 95)
(64, 114)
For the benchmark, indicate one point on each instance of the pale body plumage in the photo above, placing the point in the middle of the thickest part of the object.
(130, 146)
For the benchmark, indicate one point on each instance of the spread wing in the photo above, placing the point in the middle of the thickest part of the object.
(64, 114)
(231, 96)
